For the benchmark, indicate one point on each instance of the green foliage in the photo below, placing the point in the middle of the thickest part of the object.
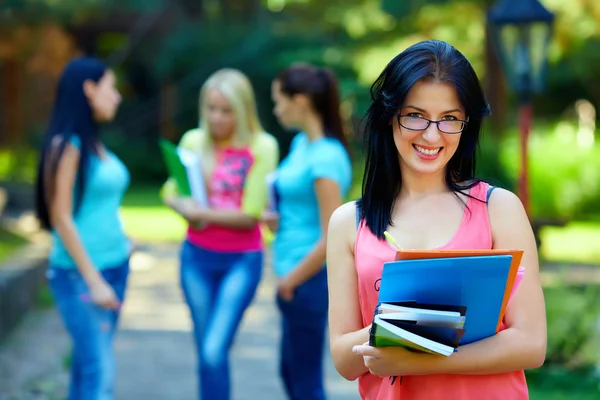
(142, 157)
(44, 298)
(561, 385)
(573, 316)
(572, 353)
(564, 175)
(18, 165)
(9, 242)
(489, 165)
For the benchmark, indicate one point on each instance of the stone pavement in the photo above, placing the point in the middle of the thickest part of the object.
(155, 353)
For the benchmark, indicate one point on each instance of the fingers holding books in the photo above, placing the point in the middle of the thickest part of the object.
(366, 351)
(386, 361)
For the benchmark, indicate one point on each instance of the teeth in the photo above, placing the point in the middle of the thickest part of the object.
(427, 151)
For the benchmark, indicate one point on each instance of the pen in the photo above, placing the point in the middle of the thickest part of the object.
(391, 240)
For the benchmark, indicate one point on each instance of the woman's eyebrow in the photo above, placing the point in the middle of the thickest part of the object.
(424, 111)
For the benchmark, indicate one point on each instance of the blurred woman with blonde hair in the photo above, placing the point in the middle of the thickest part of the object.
(222, 255)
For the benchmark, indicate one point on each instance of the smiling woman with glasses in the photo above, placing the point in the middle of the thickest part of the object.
(421, 135)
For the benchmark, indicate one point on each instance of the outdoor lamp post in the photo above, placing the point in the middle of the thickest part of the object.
(521, 31)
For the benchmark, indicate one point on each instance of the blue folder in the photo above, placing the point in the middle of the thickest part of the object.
(477, 282)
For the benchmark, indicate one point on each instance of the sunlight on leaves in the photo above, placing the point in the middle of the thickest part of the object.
(361, 19)
(435, 21)
(371, 62)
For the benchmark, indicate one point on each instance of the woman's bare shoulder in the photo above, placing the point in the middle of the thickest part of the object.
(342, 223)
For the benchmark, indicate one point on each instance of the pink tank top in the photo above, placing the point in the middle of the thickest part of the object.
(226, 191)
(370, 253)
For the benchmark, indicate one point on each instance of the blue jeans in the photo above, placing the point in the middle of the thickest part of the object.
(218, 287)
(92, 330)
(303, 320)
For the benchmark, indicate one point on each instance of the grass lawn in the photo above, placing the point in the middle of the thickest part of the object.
(576, 242)
(146, 219)
(8, 243)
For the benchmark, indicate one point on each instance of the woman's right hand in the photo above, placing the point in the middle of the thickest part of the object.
(271, 220)
(103, 295)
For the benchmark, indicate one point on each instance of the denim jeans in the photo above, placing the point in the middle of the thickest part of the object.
(304, 320)
(218, 287)
(92, 330)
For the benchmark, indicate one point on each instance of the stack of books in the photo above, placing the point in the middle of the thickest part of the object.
(433, 301)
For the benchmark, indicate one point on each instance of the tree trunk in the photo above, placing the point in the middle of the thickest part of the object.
(11, 122)
(495, 86)
(168, 97)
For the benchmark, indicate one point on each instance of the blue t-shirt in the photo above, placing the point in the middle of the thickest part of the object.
(97, 221)
(299, 215)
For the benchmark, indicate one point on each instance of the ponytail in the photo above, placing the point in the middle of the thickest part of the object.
(330, 107)
(320, 85)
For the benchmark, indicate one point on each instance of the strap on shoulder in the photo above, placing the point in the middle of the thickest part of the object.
(489, 193)
(357, 214)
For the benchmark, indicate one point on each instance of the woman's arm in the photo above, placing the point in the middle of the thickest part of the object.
(235, 219)
(329, 198)
(61, 215)
(345, 319)
(254, 196)
(522, 345)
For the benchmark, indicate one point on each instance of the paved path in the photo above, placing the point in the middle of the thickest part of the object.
(155, 353)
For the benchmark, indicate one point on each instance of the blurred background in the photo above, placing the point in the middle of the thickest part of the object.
(162, 51)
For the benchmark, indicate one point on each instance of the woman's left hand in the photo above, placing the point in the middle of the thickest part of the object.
(388, 361)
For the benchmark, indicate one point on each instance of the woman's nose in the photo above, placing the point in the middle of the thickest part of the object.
(432, 133)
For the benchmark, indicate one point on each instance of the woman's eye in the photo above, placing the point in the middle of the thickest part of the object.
(449, 118)
(414, 114)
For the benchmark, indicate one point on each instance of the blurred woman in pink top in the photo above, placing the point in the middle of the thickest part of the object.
(422, 132)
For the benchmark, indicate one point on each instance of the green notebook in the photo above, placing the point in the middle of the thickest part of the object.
(386, 333)
(185, 168)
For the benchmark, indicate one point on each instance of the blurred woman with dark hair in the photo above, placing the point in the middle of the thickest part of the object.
(80, 186)
(311, 182)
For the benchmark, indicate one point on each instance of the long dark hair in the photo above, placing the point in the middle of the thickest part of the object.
(432, 60)
(72, 118)
(320, 85)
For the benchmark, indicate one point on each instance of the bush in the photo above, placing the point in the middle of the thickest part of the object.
(489, 164)
(572, 319)
(564, 176)
(18, 165)
(572, 352)
(142, 157)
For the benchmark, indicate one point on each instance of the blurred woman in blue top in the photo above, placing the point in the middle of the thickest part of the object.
(80, 186)
(312, 181)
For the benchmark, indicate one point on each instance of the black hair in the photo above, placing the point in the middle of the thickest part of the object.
(72, 119)
(430, 60)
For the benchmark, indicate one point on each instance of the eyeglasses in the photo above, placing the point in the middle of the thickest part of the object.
(451, 126)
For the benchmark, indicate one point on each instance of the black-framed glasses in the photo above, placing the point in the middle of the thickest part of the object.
(451, 126)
